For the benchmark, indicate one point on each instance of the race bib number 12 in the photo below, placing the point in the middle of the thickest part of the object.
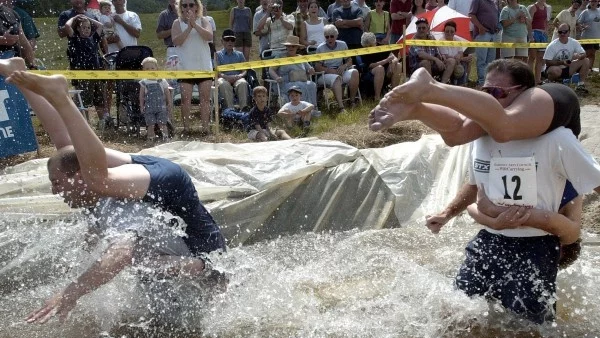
(512, 181)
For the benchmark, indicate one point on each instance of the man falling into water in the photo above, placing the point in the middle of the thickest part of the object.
(103, 180)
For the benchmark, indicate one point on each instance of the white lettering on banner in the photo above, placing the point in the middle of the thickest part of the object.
(3, 113)
(513, 181)
(6, 132)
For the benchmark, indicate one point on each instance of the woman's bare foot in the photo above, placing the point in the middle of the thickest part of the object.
(7, 66)
(384, 115)
(52, 88)
(413, 90)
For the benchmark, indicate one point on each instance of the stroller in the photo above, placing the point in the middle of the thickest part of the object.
(128, 91)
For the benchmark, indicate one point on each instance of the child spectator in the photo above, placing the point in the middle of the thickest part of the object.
(240, 20)
(260, 116)
(155, 101)
(297, 111)
(106, 18)
(83, 55)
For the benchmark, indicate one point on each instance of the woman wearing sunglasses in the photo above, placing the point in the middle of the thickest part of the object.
(191, 33)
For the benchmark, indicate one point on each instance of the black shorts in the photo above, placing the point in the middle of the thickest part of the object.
(565, 73)
(566, 107)
(194, 81)
(92, 92)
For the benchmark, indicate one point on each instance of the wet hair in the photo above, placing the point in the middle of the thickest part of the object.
(519, 71)
(413, 9)
(199, 8)
(78, 22)
(149, 60)
(259, 89)
(66, 161)
(451, 24)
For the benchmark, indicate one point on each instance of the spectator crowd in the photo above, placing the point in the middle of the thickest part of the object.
(95, 28)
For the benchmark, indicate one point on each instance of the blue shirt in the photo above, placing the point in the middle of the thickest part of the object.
(224, 58)
(350, 35)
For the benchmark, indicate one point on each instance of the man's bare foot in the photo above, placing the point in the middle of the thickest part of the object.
(53, 88)
(384, 115)
(7, 66)
(413, 90)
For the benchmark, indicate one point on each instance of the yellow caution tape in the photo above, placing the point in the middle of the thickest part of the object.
(277, 62)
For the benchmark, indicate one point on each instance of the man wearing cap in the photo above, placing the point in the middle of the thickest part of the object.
(429, 57)
(231, 80)
(277, 25)
(564, 57)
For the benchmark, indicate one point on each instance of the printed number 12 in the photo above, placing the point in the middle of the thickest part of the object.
(515, 196)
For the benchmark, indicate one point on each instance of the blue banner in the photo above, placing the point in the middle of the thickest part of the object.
(16, 131)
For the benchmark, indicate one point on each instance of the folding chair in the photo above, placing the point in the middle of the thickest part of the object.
(272, 85)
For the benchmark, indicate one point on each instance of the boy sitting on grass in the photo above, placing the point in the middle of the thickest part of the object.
(155, 101)
(297, 111)
(261, 116)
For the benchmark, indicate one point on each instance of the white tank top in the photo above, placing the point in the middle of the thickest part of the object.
(315, 32)
(194, 53)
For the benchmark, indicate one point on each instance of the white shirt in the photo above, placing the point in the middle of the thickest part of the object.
(295, 108)
(558, 156)
(132, 19)
(557, 50)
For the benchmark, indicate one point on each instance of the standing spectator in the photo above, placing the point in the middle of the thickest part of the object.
(463, 7)
(313, 29)
(261, 116)
(400, 11)
(363, 7)
(378, 22)
(234, 80)
(213, 25)
(83, 55)
(163, 28)
(418, 7)
(337, 71)
(569, 17)
(191, 33)
(539, 25)
(335, 5)
(564, 57)
(349, 22)
(300, 15)
(484, 15)
(515, 20)
(590, 25)
(77, 7)
(240, 20)
(431, 5)
(441, 3)
(29, 29)
(156, 103)
(276, 25)
(93, 7)
(13, 41)
(128, 27)
(263, 37)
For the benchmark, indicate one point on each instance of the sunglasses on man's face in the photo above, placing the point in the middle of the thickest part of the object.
(189, 5)
(498, 92)
(563, 32)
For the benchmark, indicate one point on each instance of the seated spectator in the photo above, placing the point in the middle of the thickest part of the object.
(295, 75)
(156, 103)
(234, 80)
(349, 21)
(380, 67)
(462, 61)
(378, 22)
(261, 116)
(564, 57)
(313, 27)
(337, 71)
(276, 25)
(297, 111)
(429, 57)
